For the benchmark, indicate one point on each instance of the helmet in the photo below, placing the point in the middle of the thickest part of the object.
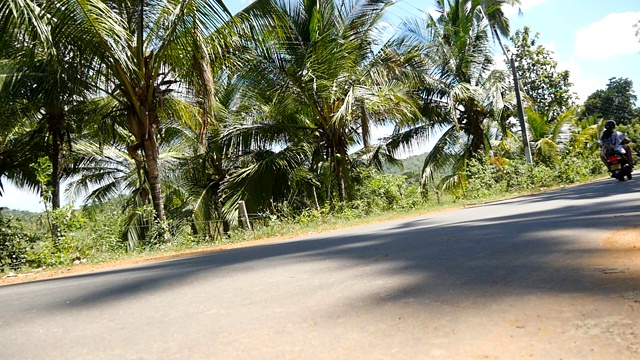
(610, 125)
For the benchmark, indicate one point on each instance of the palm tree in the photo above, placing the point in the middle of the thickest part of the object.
(469, 91)
(314, 67)
(545, 133)
(105, 168)
(499, 24)
(43, 79)
(146, 50)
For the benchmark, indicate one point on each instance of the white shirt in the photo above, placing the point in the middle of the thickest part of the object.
(615, 140)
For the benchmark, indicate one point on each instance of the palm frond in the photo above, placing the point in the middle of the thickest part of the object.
(448, 150)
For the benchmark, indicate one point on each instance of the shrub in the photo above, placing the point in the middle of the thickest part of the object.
(381, 192)
(14, 244)
(486, 178)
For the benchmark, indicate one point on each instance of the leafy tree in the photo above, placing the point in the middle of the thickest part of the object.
(548, 89)
(616, 102)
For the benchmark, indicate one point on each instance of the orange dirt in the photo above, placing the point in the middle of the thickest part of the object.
(88, 268)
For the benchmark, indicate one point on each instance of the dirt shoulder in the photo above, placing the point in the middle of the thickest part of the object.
(83, 268)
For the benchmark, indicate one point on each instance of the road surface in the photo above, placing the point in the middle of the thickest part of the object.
(550, 276)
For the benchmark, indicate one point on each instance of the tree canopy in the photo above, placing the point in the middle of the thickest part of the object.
(187, 112)
(615, 102)
(548, 89)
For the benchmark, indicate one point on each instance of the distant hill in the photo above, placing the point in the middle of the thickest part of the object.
(412, 167)
(17, 213)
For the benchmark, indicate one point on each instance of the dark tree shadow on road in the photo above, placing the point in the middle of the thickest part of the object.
(514, 247)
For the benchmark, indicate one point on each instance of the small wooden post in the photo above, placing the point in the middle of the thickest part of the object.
(243, 215)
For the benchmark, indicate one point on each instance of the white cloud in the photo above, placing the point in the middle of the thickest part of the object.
(584, 86)
(612, 36)
(571, 65)
(524, 6)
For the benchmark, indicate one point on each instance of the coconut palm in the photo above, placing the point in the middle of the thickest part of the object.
(469, 91)
(146, 50)
(43, 81)
(499, 24)
(105, 168)
(314, 68)
(545, 133)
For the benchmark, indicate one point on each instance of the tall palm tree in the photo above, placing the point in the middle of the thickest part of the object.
(146, 51)
(44, 78)
(314, 67)
(456, 44)
(492, 11)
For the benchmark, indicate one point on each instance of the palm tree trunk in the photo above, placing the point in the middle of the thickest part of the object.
(342, 192)
(516, 87)
(145, 132)
(151, 153)
(474, 126)
(204, 87)
(477, 137)
(55, 122)
(340, 173)
(366, 133)
(330, 176)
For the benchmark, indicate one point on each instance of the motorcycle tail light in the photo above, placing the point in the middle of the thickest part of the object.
(613, 158)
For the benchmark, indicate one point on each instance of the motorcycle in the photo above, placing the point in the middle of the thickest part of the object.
(617, 164)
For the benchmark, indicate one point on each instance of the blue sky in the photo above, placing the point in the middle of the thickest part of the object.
(593, 39)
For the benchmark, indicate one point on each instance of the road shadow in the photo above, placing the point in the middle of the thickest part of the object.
(485, 249)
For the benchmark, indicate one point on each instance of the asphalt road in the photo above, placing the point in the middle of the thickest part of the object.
(541, 277)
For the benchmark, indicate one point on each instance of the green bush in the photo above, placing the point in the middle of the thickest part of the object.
(378, 192)
(15, 244)
(486, 179)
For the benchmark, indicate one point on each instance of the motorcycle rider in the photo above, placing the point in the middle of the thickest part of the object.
(611, 137)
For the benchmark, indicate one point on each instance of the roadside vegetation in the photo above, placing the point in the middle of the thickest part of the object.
(180, 126)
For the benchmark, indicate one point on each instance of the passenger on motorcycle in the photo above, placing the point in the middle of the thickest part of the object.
(611, 138)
